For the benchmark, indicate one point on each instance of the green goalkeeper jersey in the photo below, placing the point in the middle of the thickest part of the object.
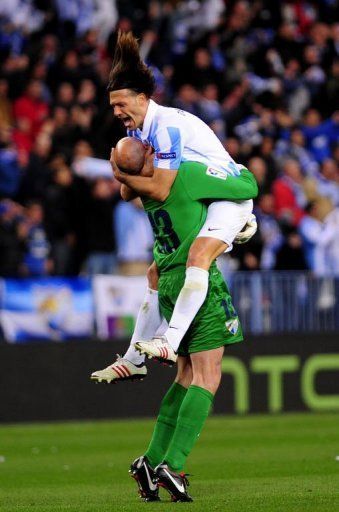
(177, 221)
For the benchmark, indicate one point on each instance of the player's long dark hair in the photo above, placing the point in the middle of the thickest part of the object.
(128, 70)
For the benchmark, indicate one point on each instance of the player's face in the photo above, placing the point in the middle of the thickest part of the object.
(130, 107)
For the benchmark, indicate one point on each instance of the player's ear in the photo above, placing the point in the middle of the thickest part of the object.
(141, 98)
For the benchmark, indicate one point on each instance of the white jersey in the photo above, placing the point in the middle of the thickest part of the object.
(178, 136)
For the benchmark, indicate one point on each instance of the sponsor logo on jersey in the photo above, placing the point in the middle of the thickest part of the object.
(232, 325)
(166, 156)
(216, 173)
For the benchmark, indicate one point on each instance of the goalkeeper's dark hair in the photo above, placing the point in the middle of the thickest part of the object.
(128, 70)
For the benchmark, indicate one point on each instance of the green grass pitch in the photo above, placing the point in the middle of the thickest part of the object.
(256, 463)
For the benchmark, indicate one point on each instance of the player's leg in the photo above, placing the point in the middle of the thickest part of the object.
(224, 221)
(132, 364)
(215, 326)
(142, 469)
(168, 413)
(194, 410)
(206, 376)
(148, 319)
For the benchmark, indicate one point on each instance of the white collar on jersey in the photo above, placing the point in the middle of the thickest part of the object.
(151, 110)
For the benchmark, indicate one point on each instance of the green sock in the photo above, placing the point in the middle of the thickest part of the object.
(165, 424)
(192, 416)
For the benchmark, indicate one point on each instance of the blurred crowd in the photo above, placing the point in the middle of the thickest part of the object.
(264, 75)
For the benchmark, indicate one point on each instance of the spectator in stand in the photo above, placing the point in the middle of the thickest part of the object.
(12, 163)
(203, 71)
(210, 110)
(49, 50)
(331, 89)
(30, 111)
(87, 93)
(296, 92)
(289, 195)
(265, 151)
(310, 229)
(6, 114)
(65, 95)
(327, 251)
(290, 255)
(36, 175)
(12, 240)
(60, 201)
(328, 181)
(258, 166)
(68, 70)
(294, 148)
(39, 72)
(236, 105)
(100, 237)
(187, 99)
(232, 146)
(320, 135)
(314, 75)
(270, 232)
(15, 71)
(134, 238)
(36, 261)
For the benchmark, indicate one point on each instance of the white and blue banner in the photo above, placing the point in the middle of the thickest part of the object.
(117, 301)
(46, 309)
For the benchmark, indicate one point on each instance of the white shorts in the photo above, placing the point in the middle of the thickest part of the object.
(225, 219)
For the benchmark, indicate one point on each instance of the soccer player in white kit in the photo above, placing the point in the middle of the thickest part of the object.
(175, 136)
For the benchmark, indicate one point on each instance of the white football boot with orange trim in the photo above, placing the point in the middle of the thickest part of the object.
(120, 370)
(158, 348)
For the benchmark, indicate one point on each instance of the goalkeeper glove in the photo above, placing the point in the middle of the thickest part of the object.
(247, 231)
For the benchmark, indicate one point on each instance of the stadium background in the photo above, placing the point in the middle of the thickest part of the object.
(265, 76)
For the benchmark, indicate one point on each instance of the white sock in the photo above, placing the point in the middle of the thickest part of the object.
(148, 321)
(189, 301)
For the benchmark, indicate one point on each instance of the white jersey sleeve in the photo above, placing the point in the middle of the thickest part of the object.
(168, 144)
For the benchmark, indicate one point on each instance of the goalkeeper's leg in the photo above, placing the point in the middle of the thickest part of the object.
(194, 409)
(142, 469)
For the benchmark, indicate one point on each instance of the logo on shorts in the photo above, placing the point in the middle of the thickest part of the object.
(216, 173)
(232, 325)
(166, 156)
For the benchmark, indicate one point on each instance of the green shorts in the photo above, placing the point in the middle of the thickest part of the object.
(216, 323)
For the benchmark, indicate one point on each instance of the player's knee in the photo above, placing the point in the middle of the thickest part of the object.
(212, 384)
(204, 251)
(184, 376)
(153, 276)
(208, 378)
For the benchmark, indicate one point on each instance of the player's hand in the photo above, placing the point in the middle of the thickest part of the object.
(148, 168)
(118, 175)
(248, 231)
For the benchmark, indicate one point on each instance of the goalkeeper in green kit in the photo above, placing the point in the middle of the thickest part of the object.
(185, 407)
